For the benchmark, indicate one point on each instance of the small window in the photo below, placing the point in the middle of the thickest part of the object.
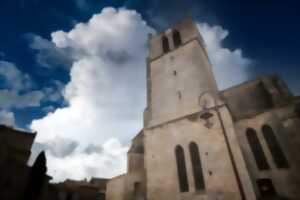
(165, 44)
(274, 146)
(266, 188)
(179, 94)
(176, 38)
(256, 148)
(181, 169)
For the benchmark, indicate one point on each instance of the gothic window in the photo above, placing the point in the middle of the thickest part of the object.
(165, 44)
(197, 167)
(256, 148)
(275, 149)
(266, 187)
(181, 169)
(176, 38)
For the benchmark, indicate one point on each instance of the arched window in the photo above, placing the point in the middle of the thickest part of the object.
(277, 153)
(197, 167)
(181, 169)
(256, 148)
(165, 44)
(176, 38)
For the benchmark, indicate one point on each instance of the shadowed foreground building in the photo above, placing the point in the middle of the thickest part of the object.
(79, 190)
(202, 143)
(18, 181)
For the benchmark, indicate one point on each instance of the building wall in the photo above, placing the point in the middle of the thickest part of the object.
(256, 96)
(14, 155)
(285, 125)
(160, 160)
(17, 143)
(14, 178)
(124, 187)
(116, 188)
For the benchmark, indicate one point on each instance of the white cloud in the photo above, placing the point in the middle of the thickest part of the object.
(17, 89)
(106, 93)
(47, 54)
(13, 77)
(12, 99)
(7, 118)
(54, 92)
(110, 162)
(16, 92)
(229, 66)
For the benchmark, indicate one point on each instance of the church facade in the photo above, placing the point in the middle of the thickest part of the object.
(199, 143)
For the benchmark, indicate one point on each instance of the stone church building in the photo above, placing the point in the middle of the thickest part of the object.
(200, 143)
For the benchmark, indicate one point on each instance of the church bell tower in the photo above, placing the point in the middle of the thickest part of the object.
(178, 72)
(188, 131)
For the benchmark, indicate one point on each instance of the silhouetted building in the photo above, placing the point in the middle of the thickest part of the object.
(80, 190)
(19, 181)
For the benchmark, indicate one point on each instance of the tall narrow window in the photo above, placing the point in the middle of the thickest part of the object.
(137, 190)
(256, 148)
(165, 44)
(277, 153)
(181, 169)
(176, 38)
(197, 167)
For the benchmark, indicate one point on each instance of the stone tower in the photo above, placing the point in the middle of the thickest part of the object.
(199, 143)
(178, 72)
(188, 129)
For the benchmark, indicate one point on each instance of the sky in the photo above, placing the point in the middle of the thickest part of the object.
(74, 71)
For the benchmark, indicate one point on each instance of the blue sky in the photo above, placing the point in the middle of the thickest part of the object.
(51, 67)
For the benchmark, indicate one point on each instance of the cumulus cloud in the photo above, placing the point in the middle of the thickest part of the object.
(11, 99)
(12, 77)
(229, 66)
(7, 118)
(54, 92)
(108, 163)
(48, 55)
(106, 93)
(16, 89)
